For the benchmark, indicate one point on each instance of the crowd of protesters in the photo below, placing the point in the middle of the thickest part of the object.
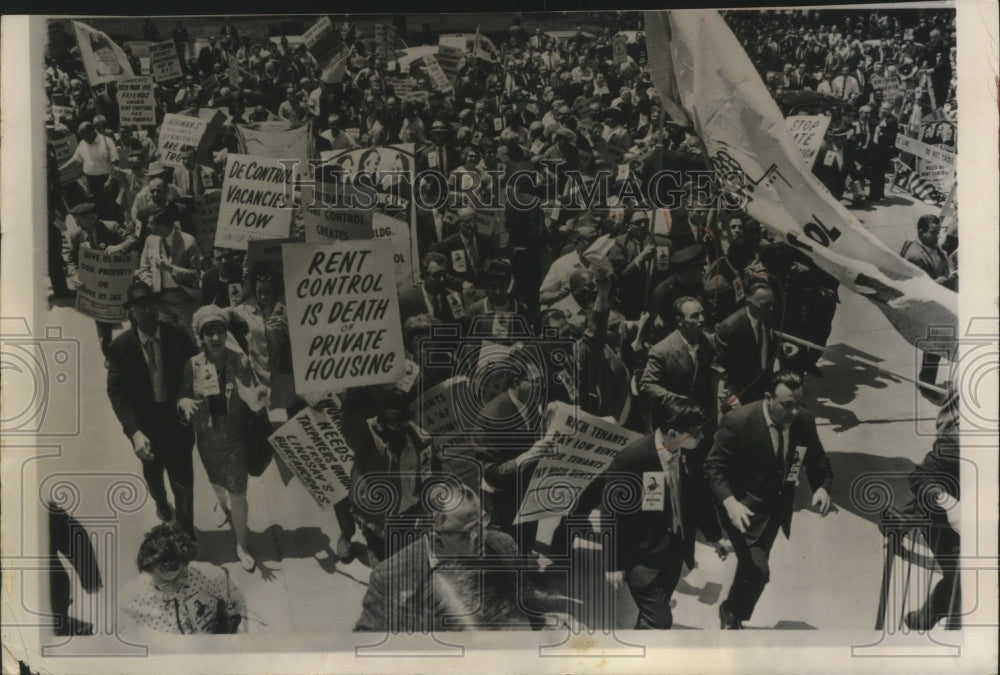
(680, 318)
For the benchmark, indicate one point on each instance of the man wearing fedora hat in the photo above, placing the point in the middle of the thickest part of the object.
(145, 364)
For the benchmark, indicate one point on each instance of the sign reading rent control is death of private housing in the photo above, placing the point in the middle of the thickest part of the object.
(343, 314)
(253, 202)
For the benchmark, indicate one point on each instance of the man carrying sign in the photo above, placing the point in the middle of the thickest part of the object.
(652, 544)
(100, 235)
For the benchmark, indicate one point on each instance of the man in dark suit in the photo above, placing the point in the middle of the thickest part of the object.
(752, 469)
(433, 295)
(509, 448)
(145, 364)
(680, 365)
(746, 346)
(467, 249)
(652, 544)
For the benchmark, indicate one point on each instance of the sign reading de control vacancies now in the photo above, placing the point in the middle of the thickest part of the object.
(253, 202)
(343, 314)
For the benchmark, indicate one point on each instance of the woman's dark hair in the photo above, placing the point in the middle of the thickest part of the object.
(165, 543)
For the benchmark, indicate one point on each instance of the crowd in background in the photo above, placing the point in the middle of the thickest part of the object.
(690, 307)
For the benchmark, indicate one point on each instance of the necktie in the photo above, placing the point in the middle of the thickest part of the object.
(438, 307)
(154, 372)
(672, 473)
(780, 448)
(762, 341)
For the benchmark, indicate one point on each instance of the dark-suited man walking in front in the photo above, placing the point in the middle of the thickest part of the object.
(145, 364)
(752, 469)
(747, 346)
(652, 544)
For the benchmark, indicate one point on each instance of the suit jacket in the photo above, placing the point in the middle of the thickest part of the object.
(491, 595)
(411, 303)
(670, 371)
(459, 263)
(130, 388)
(742, 463)
(183, 251)
(644, 537)
(739, 354)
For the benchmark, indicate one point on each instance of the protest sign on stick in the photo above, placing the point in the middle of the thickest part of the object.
(253, 201)
(206, 219)
(586, 445)
(103, 60)
(181, 132)
(164, 63)
(619, 49)
(313, 447)
(439, 412)
(808, 131)
(343, 314)
(105, 278)
(437, 74)
(63, 148)
(136, 103)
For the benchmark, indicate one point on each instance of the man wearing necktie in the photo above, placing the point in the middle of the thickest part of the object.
(652, 543)
(752, 470)
(145, 364)
(746, 346)
(171, 265)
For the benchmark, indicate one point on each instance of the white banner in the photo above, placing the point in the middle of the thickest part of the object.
(706, 79)
(343, 315)
(136, 103)
(437, 74)
(105, 280)
(103, 60)
(586, 445)
(253, 202)
(924, 151)
(164, 63)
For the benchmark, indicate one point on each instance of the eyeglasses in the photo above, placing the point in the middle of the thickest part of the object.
(437, 275)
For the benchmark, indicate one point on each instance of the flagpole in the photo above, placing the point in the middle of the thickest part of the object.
(860, 361)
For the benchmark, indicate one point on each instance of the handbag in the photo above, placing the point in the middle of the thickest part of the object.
(227, 619)
(259, 449)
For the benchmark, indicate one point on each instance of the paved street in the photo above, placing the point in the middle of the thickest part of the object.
(825, 577)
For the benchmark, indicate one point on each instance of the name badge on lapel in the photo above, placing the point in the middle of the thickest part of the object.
(793, 470)
(455, 303)
(653, 492)
(458, 261)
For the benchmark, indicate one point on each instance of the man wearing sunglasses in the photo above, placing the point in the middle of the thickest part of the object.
(435, 295)
(753, 469)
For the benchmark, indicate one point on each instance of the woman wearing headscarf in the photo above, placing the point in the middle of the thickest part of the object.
(220, 394)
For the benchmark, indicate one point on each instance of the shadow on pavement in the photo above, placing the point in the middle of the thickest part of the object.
(842, 380)
(881, 483)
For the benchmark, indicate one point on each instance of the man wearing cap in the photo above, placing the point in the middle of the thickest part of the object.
(564, 151)
(171, 264)
(145, 364)
(100, 235)
(438, 155)
(334, 137)
(291, 108)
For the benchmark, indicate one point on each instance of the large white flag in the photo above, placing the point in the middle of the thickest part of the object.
(103, 60)
(707, 80)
